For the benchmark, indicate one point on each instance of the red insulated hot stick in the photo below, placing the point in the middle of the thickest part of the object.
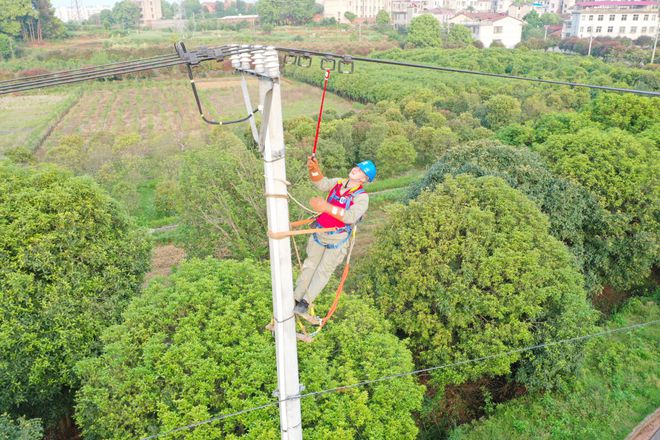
(318, 123)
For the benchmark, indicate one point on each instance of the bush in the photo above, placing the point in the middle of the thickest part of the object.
(424, 31)
(194, 346)
(21, 429)
(470, 270)
(6, 47)
(501, 110)
(71, 259)
(395, 155)
(574, 215)
(628, 112)
(622, 172)
(222, 211)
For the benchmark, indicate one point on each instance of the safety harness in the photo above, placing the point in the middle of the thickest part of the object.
(325, 220)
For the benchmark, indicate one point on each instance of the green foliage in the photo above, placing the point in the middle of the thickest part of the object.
(12, 14)
(194, 346)
(432, 143)
(294, 12)
(395, 154)
(6, 47)
(457, 35)
(424, 31)
(614, 392)
(501, 110)
(127, 14)
(350, 16)
(21, 429)
(222, 210)
(470, 270)
(628, 112)
(70, 261)
(382, 18)
(622, 173)
(574, 215)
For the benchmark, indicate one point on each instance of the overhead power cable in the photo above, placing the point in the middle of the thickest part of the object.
(82, 69)
(204, 54)
(349, 58)
(399, 375)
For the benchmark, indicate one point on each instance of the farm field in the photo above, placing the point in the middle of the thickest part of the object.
(25, 120)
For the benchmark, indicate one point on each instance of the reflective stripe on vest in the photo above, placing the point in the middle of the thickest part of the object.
(335, 198)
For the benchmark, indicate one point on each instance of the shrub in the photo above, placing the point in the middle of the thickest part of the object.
(574, 215)
(21, 429)
(222, 211)
(424, 31)
(622, 172)
(71, 259)
(194, 346)
(469, 270)
(501, 110)
(395, 155)
(628, 112)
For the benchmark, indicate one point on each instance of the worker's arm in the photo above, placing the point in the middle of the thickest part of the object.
(358, 209)
(348, 216)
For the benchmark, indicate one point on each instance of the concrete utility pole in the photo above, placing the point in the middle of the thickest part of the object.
(271, 140)
(655, 44)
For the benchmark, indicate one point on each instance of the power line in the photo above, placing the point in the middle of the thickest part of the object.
(349, 58)
(398, 375)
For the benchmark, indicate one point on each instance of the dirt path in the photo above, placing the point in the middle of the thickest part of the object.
(163, 259)
(649, 429)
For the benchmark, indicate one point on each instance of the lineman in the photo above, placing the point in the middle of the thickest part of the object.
(344, 206)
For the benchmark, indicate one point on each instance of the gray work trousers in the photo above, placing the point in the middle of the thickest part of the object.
(319, 265)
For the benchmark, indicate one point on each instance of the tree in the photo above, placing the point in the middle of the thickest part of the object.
(458, 36)
(194, 346)
(501, 110)
(628, 112)
(6, 47)
(395, 155)
(621, 171)
(424, 31)
(12, 14)
(170, 9)
(127, 13)
(71, 259)
(222, 210)
(294, 12)
(348, 15)
(382, 19)
(469, 270)
(432, 143)
(574, 215)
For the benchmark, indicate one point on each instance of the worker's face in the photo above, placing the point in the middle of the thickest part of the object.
(357, 174)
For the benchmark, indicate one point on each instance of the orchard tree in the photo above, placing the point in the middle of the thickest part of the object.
(20, 429)
(628, 112)
(501, 110)
(424, 31)
(621, 170)
(469, 270)
(194, 346)
(574, 214)
(71, 259)
(382, 19)
(458, 35)
(222, 210)
(395, 155)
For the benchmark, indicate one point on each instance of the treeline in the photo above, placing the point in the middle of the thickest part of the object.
(27, 21)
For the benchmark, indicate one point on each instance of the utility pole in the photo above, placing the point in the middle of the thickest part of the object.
(591, 39)
(271, 139)
(655, 43)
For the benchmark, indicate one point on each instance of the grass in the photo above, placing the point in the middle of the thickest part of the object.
(616, 390)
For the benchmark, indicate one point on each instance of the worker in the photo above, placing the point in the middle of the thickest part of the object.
(345, 205)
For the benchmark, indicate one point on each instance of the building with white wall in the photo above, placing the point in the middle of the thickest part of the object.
(630, 19)
(151, 10)
(363, 9)
(78, 14)
(491, 26)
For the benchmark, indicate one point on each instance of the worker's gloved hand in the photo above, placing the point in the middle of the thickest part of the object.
(314, 169)
(320, 205)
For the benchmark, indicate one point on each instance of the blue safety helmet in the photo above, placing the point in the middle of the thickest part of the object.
(368, 168)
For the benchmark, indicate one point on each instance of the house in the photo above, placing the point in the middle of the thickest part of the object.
(209, 7)
(630, 19)
(491, 26)
(403, 11)
(366, 10)
(151, 10)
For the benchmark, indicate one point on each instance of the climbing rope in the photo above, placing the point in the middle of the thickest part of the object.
(318, 122)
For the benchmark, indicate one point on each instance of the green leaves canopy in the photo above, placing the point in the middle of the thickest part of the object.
(70, 261)
(574, 215)
(424, 31)
(194, 346)
(470, 270)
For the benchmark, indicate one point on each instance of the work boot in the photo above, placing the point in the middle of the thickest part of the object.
(301, 307)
